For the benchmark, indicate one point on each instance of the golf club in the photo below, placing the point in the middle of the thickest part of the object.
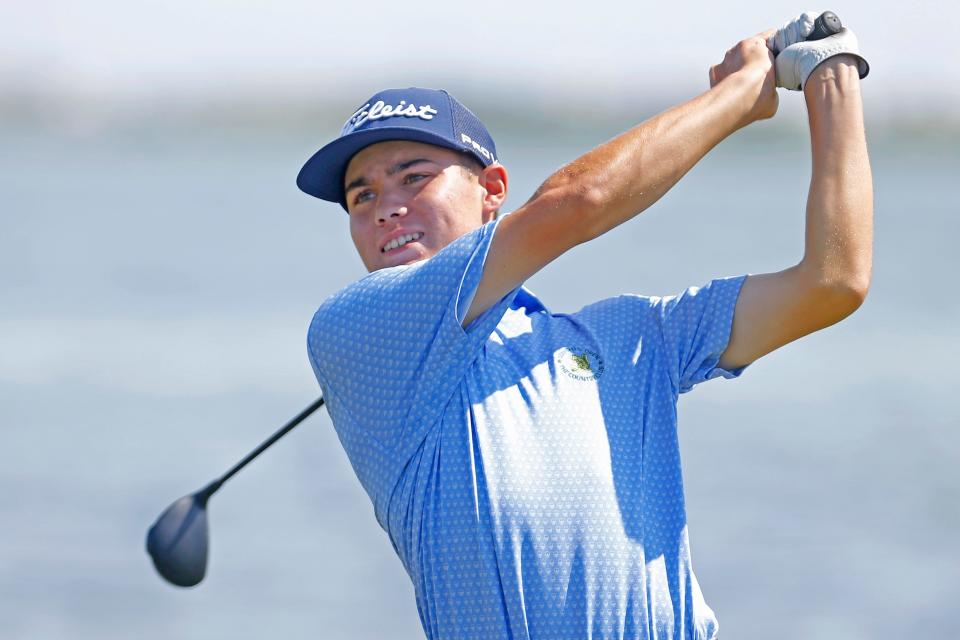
(178, 541)
(826, 24)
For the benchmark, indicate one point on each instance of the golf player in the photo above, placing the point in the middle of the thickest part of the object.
(525, 463)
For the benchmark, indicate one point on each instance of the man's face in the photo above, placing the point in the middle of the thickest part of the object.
(398, 189)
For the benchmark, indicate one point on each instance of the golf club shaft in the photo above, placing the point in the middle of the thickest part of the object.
(211, 488)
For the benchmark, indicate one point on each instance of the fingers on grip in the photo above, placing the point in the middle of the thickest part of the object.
(793, 31)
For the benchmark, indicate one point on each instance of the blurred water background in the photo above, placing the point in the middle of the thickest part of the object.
(159, 270)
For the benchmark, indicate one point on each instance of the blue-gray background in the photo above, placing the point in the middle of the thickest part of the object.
(159, 270)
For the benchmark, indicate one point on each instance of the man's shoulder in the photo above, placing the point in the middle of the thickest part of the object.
(406, 288)
(359, 292)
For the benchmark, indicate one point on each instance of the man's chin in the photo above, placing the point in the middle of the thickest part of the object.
(406, 262)
(403, 257)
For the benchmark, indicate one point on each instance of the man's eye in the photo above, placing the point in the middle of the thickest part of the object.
(362, 196)
(413, 177)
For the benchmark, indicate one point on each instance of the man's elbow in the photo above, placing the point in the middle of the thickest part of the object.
(841, 298)
(856, 286)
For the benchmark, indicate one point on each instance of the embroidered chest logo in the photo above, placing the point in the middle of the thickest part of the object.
(580, 364)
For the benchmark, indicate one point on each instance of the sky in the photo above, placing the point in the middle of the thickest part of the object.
(117, 52)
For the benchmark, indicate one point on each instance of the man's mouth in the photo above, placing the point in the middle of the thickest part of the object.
(402, 240)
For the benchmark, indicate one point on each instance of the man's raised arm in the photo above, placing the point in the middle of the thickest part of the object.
(832, 279)
(620, 178)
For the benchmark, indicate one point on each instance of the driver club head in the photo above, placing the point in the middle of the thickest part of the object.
(178, 541)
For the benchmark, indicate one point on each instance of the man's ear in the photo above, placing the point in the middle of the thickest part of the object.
(494, 181)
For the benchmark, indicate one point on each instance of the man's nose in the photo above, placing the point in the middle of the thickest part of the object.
(390, 211)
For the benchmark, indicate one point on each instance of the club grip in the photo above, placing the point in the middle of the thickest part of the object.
(826, 24)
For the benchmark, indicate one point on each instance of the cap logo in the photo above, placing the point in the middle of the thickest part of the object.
(381, 110)
(468, 141)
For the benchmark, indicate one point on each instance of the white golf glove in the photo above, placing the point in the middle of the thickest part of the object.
(796, 58)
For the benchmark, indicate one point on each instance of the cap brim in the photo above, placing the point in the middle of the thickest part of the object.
(323, 174)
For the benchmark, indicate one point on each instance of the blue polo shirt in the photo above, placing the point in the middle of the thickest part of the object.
(526, 468)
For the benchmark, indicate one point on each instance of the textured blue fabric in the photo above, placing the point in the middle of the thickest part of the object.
(526, 468)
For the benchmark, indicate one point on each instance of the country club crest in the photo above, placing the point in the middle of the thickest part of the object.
(580, 363)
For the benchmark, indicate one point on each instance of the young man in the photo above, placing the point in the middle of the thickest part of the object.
(525, 464)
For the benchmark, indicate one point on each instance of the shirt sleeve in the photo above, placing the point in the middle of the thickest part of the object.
(389, 350)
(696, 325)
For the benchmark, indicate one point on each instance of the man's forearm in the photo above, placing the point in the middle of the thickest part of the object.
(622, 177)
(839, 232)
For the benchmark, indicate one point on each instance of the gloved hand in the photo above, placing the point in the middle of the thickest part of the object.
(796, 57)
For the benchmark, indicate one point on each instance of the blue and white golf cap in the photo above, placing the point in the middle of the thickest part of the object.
(432, 116)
